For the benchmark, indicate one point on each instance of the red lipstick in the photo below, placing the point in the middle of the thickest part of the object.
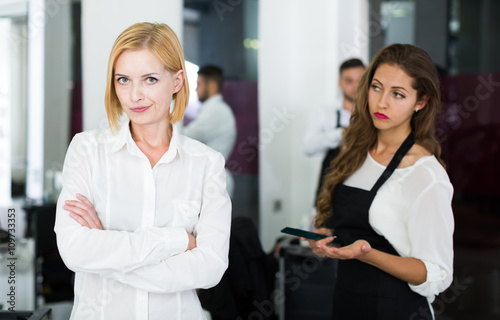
(380, 115)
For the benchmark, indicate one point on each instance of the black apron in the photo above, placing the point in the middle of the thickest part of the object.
(362, 291)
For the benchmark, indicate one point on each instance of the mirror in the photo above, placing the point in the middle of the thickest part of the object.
(13, 100)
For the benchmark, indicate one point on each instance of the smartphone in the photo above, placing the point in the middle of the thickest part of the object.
(307, 234)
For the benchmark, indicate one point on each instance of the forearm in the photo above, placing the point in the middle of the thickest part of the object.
(197, 268)
(320, 141)
(110, 251)
(104, 251)
(410, 270)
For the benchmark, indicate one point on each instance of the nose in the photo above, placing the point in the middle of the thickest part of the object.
(137, 92)
(382, 100)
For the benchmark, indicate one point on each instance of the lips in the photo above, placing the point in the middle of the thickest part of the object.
(380, 115)
(139, 109)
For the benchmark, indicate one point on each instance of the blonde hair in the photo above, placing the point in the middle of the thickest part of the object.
(361, 134)
(161, 40)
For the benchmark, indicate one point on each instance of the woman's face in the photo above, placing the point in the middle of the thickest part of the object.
(144, 87)
(392, 100)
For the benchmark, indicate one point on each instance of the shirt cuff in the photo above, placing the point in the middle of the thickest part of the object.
(434, 274)
(170, 240)
(176, 240)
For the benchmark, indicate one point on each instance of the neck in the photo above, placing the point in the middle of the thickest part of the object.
(154, 135)
(390, 141)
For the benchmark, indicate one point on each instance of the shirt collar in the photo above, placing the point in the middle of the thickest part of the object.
(173, 148)
(124, 138)
(213, 99)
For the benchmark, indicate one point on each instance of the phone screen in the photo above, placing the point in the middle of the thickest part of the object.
(307, 234)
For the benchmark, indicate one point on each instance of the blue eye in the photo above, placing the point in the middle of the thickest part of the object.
(122, 80)
(151, 80)
(399, 95)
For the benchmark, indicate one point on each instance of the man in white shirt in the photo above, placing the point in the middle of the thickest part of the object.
(215, 124)
(326, 125)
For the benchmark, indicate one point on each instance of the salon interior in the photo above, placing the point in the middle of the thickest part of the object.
(280, 59)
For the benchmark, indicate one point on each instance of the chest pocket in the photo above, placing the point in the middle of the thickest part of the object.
(186, 213)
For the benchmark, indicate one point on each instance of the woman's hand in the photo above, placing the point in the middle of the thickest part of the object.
(353, 251)
(192, 242)
(83, 212)
(314, 244)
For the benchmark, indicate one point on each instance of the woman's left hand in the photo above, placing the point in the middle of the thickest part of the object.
(83, 212)
(353, 251)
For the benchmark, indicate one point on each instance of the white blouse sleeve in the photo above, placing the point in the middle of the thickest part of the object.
(318, 136)
(104, 251)
(203, 266)
(430, 231)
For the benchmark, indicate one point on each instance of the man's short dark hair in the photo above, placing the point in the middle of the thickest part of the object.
(351, 63)
(212, 73)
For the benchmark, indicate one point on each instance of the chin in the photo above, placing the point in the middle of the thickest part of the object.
(139, 119)
(380, 126)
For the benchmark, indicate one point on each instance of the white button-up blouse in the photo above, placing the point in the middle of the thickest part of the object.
(138, 267)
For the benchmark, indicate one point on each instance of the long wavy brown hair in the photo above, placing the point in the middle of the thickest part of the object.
(361, 135)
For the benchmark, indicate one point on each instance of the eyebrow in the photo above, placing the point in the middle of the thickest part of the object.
(143, 76)
(391, 87)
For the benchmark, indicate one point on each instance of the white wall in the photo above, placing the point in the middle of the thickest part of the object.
(301, 46)
(102, 22)
(352, 29)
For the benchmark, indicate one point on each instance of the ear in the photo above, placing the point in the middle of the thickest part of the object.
(178, 80)
(422, 103)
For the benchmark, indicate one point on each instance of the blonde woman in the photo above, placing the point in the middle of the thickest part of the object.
(388, 198)
(143, 218)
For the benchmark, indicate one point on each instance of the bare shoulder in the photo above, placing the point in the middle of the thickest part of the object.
(416, 152)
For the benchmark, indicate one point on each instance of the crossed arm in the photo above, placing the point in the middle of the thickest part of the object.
(83, 211)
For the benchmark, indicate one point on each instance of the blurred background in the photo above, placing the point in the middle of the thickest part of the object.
(280, 59)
